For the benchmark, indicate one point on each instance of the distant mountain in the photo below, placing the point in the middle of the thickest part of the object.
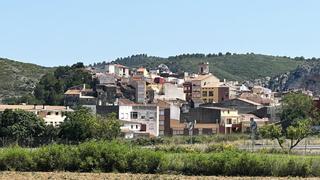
(228, 66)
(17, 78)
(305, 76)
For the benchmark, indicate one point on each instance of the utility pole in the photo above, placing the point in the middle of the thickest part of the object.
(253, 127)
(191, 125)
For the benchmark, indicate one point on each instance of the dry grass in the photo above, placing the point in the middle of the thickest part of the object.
(68, 175)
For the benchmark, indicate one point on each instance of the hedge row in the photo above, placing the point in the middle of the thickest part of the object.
(112, 157)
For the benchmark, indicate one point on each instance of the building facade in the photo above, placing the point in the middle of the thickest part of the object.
(213, 94)
(145, 114)
(117, 69)
(52, 115)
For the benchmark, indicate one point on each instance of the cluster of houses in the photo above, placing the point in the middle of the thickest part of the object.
(157, 102)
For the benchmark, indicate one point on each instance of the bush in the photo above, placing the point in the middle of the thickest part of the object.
(104, 156)
(220, 148)
(144, 161)
(147, 141)
(216, 138)
(56, 157)
(16, 159)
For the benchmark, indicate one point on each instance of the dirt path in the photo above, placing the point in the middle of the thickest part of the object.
(124, 176)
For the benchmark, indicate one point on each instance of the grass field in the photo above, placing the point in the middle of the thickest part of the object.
(68, 175)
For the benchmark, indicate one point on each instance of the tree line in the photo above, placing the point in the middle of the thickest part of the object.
(27, 129)
(52, 86)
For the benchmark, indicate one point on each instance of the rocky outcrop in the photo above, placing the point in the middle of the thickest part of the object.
(304, 77)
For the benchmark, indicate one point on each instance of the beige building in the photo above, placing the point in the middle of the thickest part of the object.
(200, 81)
(52, 115)
(214, 94)
(142, 72)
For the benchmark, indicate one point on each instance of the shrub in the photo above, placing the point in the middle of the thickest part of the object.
(144, 161)
(220, 148)
(147, 141)
(116, 157)
(16, 159)
(56, 157)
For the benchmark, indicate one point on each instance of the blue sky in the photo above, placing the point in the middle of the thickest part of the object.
(63, 32)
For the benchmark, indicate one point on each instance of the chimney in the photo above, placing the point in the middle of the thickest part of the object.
(84, 87)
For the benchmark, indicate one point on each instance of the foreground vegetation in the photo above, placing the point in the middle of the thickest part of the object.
(28, 130)
(104, 156)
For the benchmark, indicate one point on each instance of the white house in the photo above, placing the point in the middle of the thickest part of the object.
(117, 69)
(171, 92)
(145, 114)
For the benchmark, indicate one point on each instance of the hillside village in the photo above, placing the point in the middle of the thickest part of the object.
(157, 102)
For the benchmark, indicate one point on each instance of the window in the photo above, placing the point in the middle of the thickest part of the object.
(210, 93)
(131, 126)
(143, 117)
(228, 112)
(57, 113)
(204, 93)
(136, 126)
(161, 112)
(161, 122)
(229, 121)
(48, 113)
(134, 115)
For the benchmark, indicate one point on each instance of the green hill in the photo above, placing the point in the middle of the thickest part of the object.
(17, 78)
(229, 66)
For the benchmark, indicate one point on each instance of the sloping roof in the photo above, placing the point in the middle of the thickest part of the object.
(218, 84)
(201, 77)
(72, 92)
(120, 66)
(255, 98)
(250, 102)
(123, 101)
(141, 69)
(246, 117)
(218, 108)
(33, 107)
